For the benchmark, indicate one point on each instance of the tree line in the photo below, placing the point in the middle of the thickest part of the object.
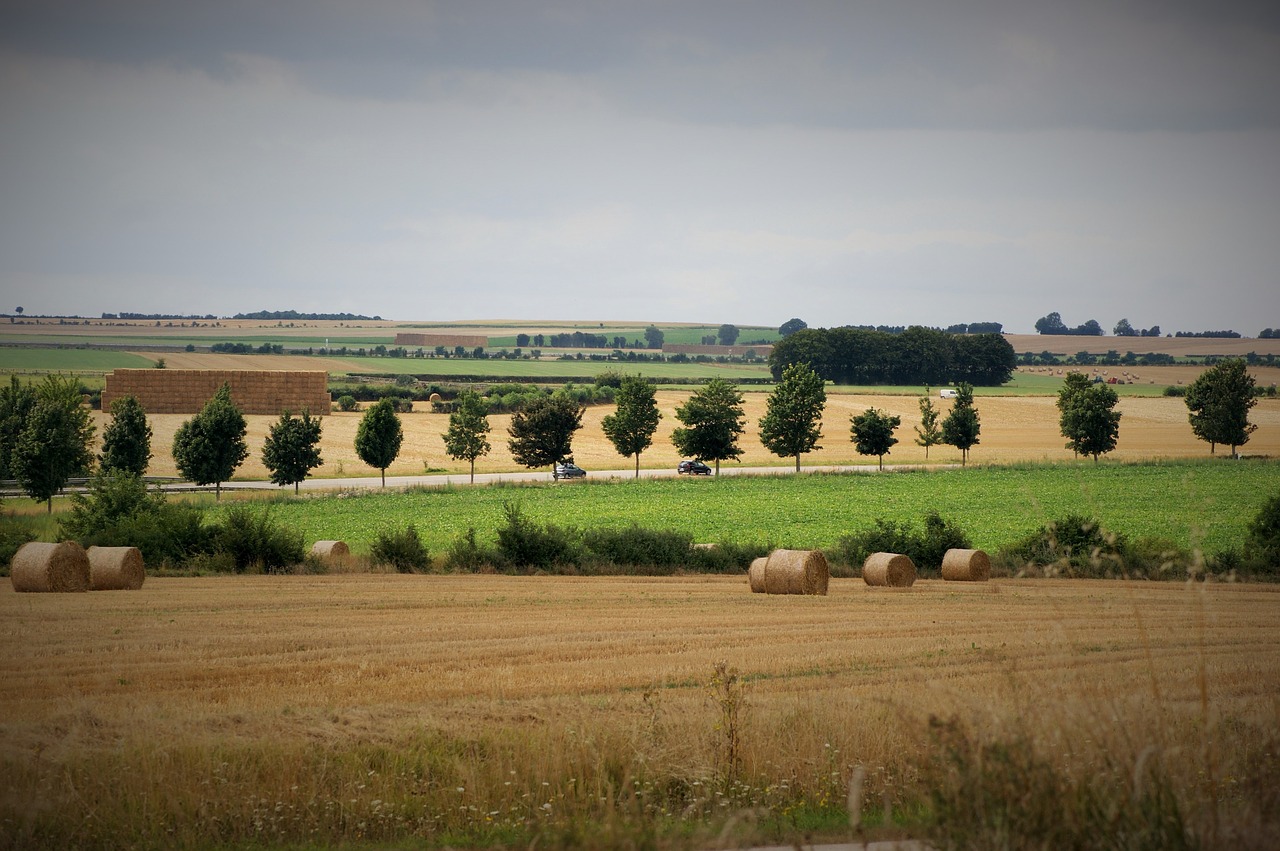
(920, 356)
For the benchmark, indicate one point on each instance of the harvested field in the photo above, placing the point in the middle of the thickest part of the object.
(271, 709)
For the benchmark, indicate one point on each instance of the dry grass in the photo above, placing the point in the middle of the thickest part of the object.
(1014, 429)
(384, 706)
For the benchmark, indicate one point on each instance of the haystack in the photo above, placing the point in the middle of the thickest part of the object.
(756, 575)
(331, 550)
(966, 566)
(796, 572)
(115, 569)
(50, 567)
(892, 569)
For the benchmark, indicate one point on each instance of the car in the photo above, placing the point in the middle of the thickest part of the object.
(693, 468)
(568, 470)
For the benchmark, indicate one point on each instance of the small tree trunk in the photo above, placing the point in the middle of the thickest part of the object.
(797, 462)
(880, 458)
(637, 465)
(717, 468)
(473, 471)
(384, 477)
(217, 491)
(295, 488)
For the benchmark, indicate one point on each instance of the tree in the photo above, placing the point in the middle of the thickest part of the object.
(379, 435)
(654, 337)
(928, 433)
(1072, 386)
(16, 402)
(1124, 329)
(631, 427)
(728, 335)
(872, 433)
(1089, 419)
(1050, 324)
(292, 449)
(713, 421)
(786, 329)
(208, 447)
(126, 442)
(792, 423)
(961, 427)
(1219, 402)
(542, 431)
(54, 442)
(465, 439)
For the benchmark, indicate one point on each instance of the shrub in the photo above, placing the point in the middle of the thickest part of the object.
(1264, 531)
(117, 510)
(1074, 545)
(348, 402)
(13, 535)
(467, 555)
(726, 557)
(254, 539)
(402, 550)
(1174, 390)
(402, 405)
(524, 543)
(637, 547)
(925, 548)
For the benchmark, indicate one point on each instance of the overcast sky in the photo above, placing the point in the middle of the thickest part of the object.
(851, 162)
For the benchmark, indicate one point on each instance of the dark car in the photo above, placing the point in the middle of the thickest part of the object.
(693, 468)
(568, 470)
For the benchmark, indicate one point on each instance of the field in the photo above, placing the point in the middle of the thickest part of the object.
(610, 712)
(1204, 506)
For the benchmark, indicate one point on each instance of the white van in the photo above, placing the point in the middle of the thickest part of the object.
(946, 393)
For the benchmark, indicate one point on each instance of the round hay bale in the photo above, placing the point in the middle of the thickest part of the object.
(115, 569)
(891, 569)
(434, 397)
(331, 550)
(50, 567)
(966, 566)
(796, 572)
(756, 575)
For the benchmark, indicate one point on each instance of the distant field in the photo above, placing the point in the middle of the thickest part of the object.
(13, 359)
(1193, 504)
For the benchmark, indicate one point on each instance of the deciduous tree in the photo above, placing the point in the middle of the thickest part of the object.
(728, 334)
(126, 442)
(872, 433)
(379, 435)
(1073, 385)
(792, 423)
(210, 446)
(1089, 419)
(713, 420)
(16, 402)
(292, 449)
(961, 427)
(541, 433)
(55, 440)
(465, 439)
(928, 433)
(631, 427)
(1219, 402)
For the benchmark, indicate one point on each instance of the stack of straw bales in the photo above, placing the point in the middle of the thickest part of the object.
(966, 566)
(183, 391)
(889, 569)
(331, 550)
(790, 572)
(50, 567)
(115, 569)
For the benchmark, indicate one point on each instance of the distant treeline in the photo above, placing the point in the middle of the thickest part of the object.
(295, 316)
(151, 316)
(920, 356)
(1228, 334)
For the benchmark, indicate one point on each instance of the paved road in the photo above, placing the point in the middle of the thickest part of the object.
(362, 482)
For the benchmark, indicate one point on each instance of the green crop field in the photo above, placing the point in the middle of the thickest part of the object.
(1203, 505)
(15, 359)
(549, 368)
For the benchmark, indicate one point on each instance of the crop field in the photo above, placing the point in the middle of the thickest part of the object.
(1203, 506)
(493, 711)
(15, 359)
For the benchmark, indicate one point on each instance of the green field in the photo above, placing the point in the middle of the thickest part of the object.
(15, 359)
(549, 367)
(1203, 505)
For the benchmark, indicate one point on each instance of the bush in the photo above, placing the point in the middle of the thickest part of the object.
(1074, 545)
(348, 402)
(117, 510)
(1264, 531)
(467, 555)
(402, 405)
(523, 543)
(402, 550)
(1173, 390)
(638, 547)
(12, 536)
(925, 548)
(726, 557)
(254, 539)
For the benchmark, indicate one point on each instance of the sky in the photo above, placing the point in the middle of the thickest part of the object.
(728, 161)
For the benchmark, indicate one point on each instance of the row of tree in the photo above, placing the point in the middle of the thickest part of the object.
(919, 356)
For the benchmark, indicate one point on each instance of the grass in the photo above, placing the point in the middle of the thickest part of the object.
(378, 711)
(16, 359)
(1204, 505)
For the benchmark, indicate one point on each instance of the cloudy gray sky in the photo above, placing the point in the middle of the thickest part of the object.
(850, 162)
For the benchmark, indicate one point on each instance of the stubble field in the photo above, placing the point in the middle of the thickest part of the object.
(499, 710)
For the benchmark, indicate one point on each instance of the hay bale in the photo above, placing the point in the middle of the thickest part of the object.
(796, 572)
(966, 566)
(331, 550)
(115, 569)
(50, 567)
(891, 569)
(756, 574)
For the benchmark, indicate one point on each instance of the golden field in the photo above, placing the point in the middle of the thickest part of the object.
(1014, 428)
(228, 711)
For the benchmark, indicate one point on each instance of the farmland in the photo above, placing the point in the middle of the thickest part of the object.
(496, 711)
